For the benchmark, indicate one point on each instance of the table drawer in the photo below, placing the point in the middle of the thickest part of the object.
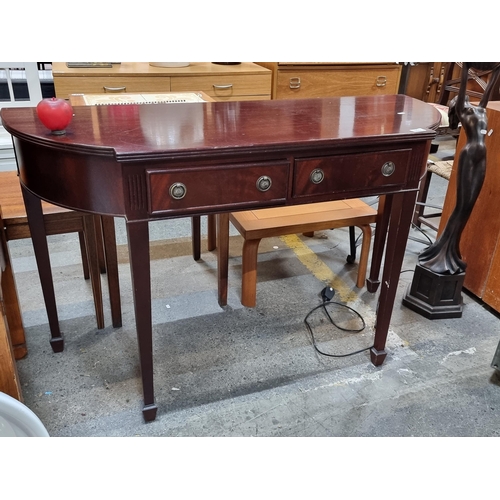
(224, 86)
(65, 86)
(353, 172)
(194, 188)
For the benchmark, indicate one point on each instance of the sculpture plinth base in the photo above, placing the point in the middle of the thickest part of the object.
(435, 296)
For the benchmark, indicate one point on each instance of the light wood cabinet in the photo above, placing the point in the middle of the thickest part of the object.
(304, 80)
(238, 82)
(480, 242)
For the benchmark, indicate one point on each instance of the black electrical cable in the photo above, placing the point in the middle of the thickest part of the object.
(326, 301)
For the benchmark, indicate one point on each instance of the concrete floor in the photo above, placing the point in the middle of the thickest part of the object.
(236, 371)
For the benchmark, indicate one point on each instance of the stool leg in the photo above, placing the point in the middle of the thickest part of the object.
(365, 252)
(249, 273)
(109, 241)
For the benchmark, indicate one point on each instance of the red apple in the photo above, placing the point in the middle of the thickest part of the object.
(56, 114)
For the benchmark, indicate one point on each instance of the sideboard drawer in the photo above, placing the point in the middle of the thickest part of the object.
(225, 87)
(65, 86)
(352, 172)
(346, 81)
(244, 184)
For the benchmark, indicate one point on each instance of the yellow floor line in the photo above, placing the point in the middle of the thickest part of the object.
(319, 269)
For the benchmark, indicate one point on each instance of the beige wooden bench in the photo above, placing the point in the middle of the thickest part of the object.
(254, 225)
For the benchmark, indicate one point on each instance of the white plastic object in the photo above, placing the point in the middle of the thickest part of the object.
(17, 420)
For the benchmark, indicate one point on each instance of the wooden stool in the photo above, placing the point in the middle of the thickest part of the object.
(254, 225)
(97, 237)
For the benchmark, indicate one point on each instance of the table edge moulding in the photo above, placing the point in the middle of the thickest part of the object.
(131, 162)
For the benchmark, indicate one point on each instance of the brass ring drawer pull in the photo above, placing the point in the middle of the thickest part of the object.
(388, 168)
(114, 89)
(177, 190)
(381, 81)
(317, 176)
(264, 183)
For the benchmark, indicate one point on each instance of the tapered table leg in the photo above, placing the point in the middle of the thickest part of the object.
(138, 243)
(399, 227)
(39, 238)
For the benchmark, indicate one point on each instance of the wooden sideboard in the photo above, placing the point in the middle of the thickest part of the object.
(131, 162)
(480, 242)
(296, 80)
(240, 82)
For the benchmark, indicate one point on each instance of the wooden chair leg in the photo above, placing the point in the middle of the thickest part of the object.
(95, 275)
(85, 258)
(212, 232)
(101, 259)
(111, 257)
(365, 252)
(249, 273)
(196, 237)
(421, 198)
(382, 225)
(351, 258)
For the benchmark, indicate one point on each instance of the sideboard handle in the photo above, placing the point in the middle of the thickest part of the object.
(317, 176)
(388, 168)
(114, 89)
(223, 87)
(381, 81)
(295, 82)
(177, 190)
(264, 183)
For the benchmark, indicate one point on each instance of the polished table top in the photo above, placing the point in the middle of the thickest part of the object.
(164, 130)
(147, 162)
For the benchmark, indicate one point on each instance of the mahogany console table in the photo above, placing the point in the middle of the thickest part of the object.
(158, 161)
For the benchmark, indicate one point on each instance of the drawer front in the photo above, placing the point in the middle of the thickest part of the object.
(244, 185)
(337, 83)
(355, 172)
(65, 86)
(224, 86)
